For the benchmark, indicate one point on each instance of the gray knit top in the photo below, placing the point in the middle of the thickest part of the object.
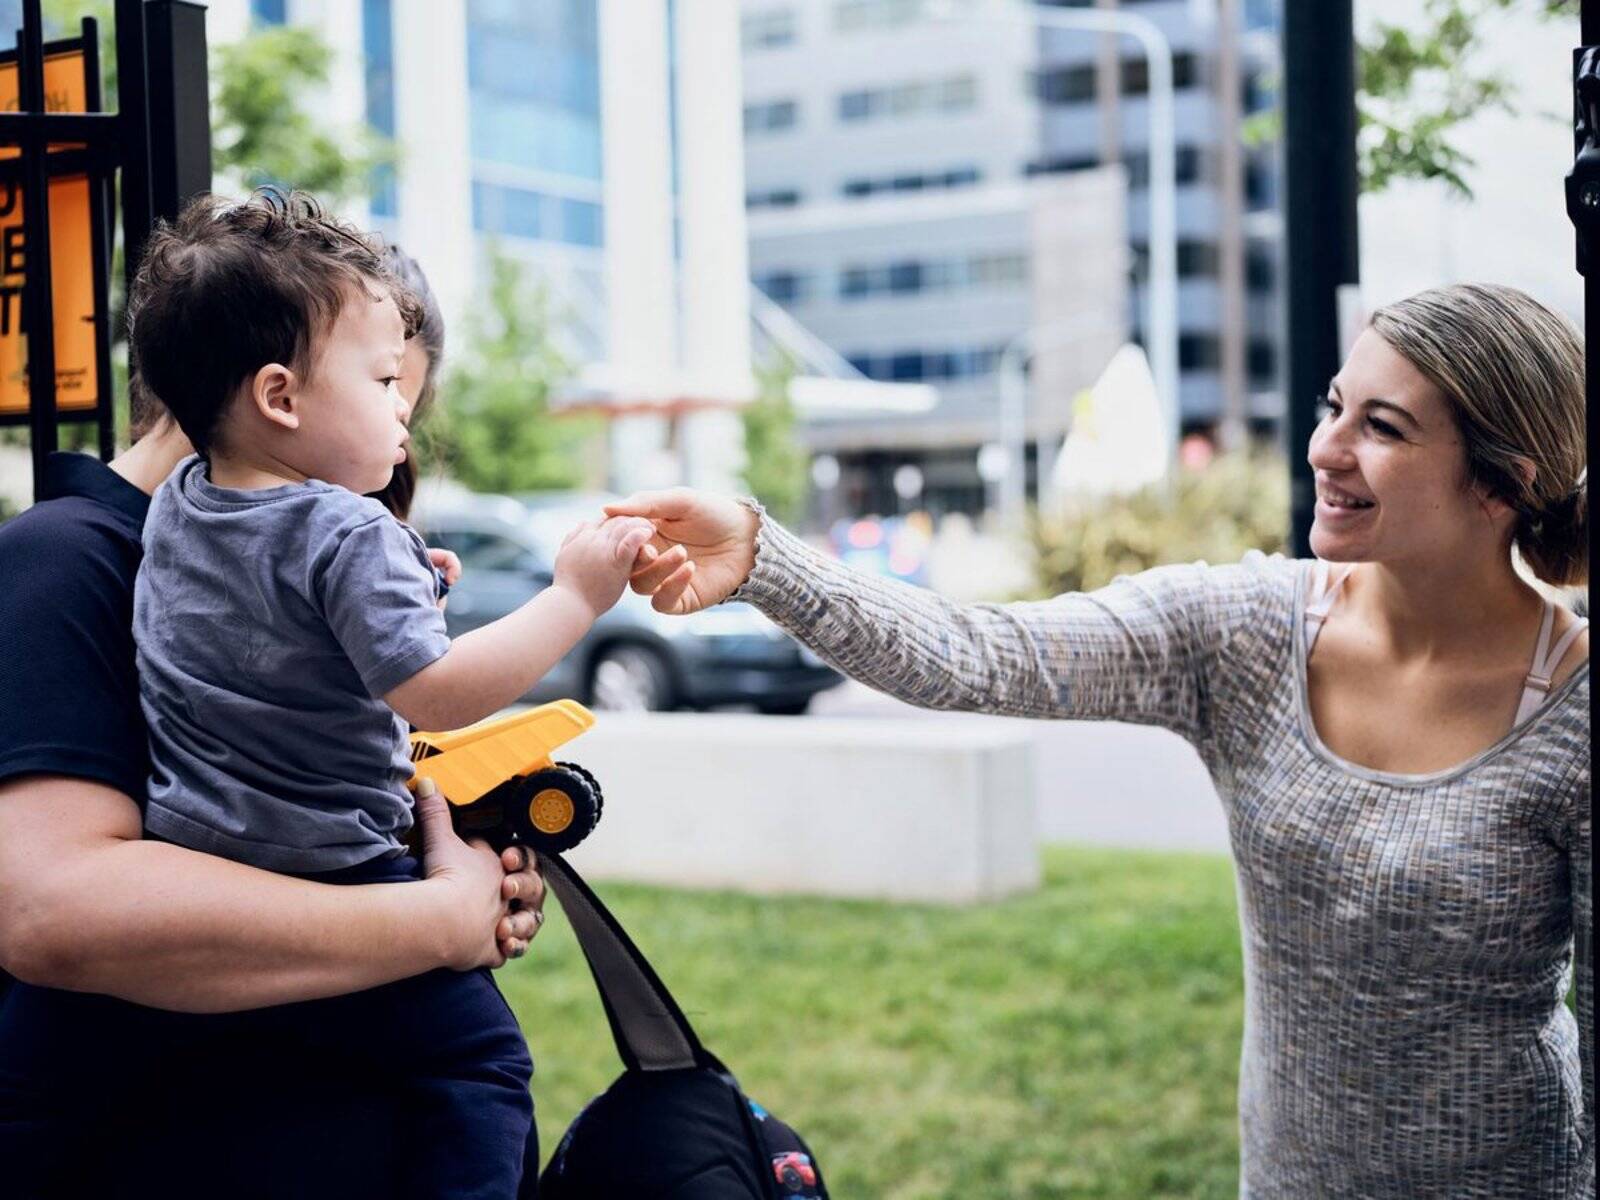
(1408, 939)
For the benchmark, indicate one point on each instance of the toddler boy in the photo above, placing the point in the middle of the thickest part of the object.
(288, 628)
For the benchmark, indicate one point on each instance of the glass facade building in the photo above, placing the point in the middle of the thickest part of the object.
(377, 44)
(533, 71)
(270, 12)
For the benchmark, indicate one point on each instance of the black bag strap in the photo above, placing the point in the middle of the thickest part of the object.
(650, 1030)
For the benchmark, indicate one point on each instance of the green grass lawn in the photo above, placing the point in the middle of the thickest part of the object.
(1081, 1041)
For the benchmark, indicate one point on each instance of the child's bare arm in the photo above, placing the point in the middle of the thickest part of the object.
(489, 668)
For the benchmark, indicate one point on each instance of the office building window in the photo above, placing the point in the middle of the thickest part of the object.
(1067, 85)
(916, 365)
(990, 269)
(581, 222)
(1196, 259)
(1261, 358)
(856, 189)
(269, 12)
(1199, 352)
(1261, 14)
(771, 116)
(1061, 164)
(855, 106)
(1259, 92)
(1260, 267)
(786, 287)
(769, 29)
(1136, 73)
(914, 277)
(533, 71)
(956, 94)
(1075, 83)
(853, 16)
(1260, 183)
(1190, 164)
(537, 216)
(377, 41)
(772, 198)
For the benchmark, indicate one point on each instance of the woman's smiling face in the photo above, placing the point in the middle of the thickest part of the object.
(1391, 467)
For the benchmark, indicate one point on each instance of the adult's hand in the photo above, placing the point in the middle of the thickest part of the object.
(704, 548)
(496, 905)
(448, 564)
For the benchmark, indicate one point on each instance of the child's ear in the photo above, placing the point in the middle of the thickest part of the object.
(275, 394)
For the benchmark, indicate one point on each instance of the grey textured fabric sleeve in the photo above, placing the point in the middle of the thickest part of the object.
(1139, 650)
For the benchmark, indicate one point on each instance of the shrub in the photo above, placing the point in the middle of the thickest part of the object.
(1239, 502)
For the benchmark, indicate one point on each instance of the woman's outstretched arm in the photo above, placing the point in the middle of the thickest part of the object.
(1137, 650)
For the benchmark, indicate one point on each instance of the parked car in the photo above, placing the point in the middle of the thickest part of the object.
(634, 659)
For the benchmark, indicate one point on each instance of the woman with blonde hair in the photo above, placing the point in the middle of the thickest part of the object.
(1399, 731)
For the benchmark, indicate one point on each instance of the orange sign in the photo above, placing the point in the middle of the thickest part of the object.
(71, 257)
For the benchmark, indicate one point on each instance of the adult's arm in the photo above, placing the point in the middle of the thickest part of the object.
(1141, 649)
(89, 906)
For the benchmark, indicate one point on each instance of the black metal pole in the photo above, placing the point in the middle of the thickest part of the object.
(134, 135)
(180, 106)
(1590, 33)
(1585, 214)
(1321, 249)
(100, 252)
(38, 315)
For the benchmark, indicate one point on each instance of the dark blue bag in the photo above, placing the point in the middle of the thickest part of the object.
(675, 1125)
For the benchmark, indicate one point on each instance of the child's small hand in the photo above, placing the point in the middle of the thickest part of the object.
(596, 559)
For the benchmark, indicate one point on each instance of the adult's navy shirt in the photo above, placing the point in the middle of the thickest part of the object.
(67, 683)
(255, 1122)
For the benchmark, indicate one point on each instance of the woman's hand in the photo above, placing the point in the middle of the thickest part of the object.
(493, 906)
(704, 548)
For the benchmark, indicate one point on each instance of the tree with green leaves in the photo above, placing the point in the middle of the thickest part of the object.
(262, 131)
(496, 433)
(775, 461)
(1416, 85)
(262, 128)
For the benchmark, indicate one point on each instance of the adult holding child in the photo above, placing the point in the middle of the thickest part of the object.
(100, 924)
(1399, 732)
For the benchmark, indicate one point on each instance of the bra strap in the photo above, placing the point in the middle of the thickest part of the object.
(1545, 660)
(1323, 593)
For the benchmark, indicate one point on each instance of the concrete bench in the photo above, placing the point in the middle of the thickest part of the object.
(906, 810)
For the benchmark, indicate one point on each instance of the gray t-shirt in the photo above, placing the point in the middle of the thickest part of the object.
(269, 625)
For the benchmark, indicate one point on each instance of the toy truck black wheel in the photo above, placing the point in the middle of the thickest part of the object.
(554, 809)
(588, 776)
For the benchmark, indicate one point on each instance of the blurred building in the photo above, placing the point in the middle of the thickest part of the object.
(597, 141)
(913, 184)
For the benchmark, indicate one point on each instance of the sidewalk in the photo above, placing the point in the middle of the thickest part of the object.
(1098, 783)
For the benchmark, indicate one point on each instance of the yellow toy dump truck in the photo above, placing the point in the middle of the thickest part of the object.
(502, 784)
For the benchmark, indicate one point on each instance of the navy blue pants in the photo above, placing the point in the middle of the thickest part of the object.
(102, 1097)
